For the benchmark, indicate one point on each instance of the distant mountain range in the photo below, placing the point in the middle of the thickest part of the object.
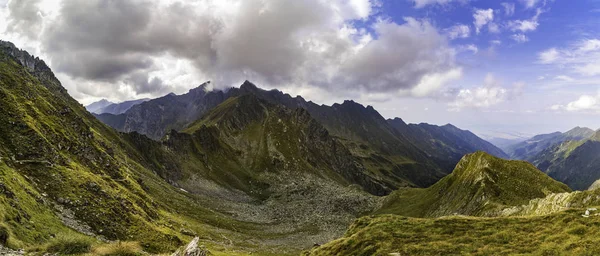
(98, 105)
(106, 107)
(504, 140)
(572, 157)
(403, 155)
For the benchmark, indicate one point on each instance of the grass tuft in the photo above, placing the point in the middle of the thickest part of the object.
(67, 245)
(3, 235)
(119, 249)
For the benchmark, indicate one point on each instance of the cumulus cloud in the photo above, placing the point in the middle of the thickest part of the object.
(489, 94)
(523, 25)
(125, 44)
(432, 83)
(458, 31)
(381, 65)
(526, 25)
(482, 17)
(585, 103)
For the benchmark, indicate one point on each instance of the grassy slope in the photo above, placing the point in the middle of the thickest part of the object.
(564, 233)
(550, 225)
(480, 185)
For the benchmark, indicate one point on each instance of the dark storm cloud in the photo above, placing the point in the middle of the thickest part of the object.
(310, 42)
(99, 45)
(143, 84)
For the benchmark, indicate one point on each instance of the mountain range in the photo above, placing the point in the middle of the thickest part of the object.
(250, 171)
(529, 148)
(570, 157)
(404, 155)
(104, 106)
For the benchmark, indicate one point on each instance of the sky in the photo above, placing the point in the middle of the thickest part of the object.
(493, 67)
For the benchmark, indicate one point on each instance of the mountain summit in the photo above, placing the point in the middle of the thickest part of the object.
(480, 185)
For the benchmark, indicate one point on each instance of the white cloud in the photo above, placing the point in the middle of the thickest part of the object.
(481, 18)
(509, 8)
(458, 31)
(590, 69)
(581, 58)
(489, 94)
(530, 3)
(585, 103)
(519, 38)
(591, 45)
(523, 25)
(432, 83)
(526, 25)
(468, 48)
(423, 3)
(564, 78)
(549, 56)
(493, 28)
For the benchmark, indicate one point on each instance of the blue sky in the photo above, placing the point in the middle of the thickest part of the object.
(493, 67)
(561, 24)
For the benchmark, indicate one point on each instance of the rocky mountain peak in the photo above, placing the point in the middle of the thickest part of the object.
(248, 86)
(203, 88)
(33, 64)
(580, 132)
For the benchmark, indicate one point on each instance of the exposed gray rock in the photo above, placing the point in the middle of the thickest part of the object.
(192, 249)
(9, 252)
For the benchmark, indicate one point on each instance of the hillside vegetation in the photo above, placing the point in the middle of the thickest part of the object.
(487, 206)
(564, 233)
(480, 185)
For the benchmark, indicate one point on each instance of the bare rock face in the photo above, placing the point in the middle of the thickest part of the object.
(193, 249)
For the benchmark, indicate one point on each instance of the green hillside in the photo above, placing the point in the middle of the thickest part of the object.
(564, 233)
(480, 185)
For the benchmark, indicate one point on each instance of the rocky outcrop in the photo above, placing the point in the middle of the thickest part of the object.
(192, 249)
(34, 65)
